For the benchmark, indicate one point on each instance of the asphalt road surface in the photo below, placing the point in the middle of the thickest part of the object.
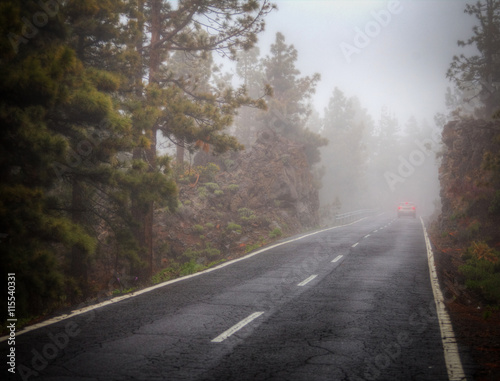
(350, 303)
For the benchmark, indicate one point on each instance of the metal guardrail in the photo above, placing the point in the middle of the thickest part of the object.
(351, 216)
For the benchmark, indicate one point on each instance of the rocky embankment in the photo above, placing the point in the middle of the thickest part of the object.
(258, 196)
(467, 233)
(467, 183)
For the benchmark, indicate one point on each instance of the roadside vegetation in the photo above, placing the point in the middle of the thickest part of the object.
(466, 232)
(482, 271)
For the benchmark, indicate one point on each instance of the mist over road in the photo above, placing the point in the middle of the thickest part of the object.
(350, 303)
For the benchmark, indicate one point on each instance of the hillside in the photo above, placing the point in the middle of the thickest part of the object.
(233, 204)
(467, 238)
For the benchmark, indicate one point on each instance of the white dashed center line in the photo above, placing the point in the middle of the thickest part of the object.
(306, 281)
(336, 259)
(366, 236)
(356, 244)
(223, 336)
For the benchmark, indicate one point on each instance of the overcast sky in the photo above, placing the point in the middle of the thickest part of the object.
(400, 62)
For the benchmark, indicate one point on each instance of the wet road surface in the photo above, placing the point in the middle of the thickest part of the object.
(350, 303)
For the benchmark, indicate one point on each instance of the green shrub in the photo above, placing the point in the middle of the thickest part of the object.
(212, 186)
(208, 172)
(255, 246)
(165, 274)
(190, 267)
(215, 263)
(202, 192)
(218, 192)
(276, 232)
(211, 252)
(482, 271)
(233, 187)
(184, 175)
(198, 229)
(231, 226)
(189, 255)
(250, 248)
(489, 311)
(117, 291)
(209, 225)
(246, 214)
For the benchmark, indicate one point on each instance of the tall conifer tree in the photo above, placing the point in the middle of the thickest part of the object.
(39, 77)
(179, 113)
(289, 107)
(481, 71)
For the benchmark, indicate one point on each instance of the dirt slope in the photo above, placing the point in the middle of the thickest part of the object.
(258, 196)
(468, 188)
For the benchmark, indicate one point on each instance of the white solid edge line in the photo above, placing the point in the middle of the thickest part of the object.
(224, 335)
(306, 281)
(160, 285)
(451, 354)
(337, 259)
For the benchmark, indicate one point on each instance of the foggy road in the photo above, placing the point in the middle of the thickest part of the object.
(350, 303)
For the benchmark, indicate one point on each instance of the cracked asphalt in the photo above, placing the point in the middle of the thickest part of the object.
(368, 314)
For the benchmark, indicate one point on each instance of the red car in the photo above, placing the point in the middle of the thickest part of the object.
(407, 209)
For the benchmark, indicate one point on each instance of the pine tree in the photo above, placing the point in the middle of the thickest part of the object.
(481, 71)
(289, 107)
(38, 75)
(103, 188)
(340, 112)
(176, 112)
(192, 72)
(346, 126)
(65, 104)
(249, 69)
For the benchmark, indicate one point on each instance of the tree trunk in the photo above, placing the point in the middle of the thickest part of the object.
(180, 155)
(144, 213)
(78, 263)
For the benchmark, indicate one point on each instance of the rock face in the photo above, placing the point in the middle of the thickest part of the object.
(258, 195)
(470, 217)
(467, 191)
(466, 187)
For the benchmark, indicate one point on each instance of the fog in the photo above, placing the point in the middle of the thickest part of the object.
(392, 56)
(402, 67)
(389, 60)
